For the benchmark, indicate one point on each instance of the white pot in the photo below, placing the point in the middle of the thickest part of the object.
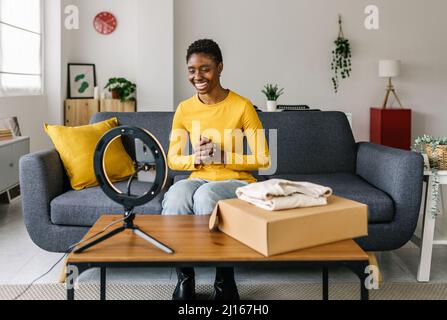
(272, 106)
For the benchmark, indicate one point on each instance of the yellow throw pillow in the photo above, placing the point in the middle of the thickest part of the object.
(76, 147)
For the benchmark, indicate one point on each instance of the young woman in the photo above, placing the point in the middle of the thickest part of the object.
(212, 118)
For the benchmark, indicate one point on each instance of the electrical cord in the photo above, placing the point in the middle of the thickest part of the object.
(132, 177)
(72, 247)
(40, 277)
(138, 169)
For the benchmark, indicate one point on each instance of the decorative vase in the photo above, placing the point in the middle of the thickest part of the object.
(272, 106)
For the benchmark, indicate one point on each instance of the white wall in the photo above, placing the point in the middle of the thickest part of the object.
(140, 49)
(115, 54)
(155, 46)
(34, 111)
(31, 113)
(289, 42)
(284, 41)
(54, 51)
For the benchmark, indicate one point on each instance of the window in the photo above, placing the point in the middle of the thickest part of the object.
(20, 47)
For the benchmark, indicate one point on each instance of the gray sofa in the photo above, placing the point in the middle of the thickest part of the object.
(312, 146)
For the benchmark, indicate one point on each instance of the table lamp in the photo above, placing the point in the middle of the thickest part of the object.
(389, 69)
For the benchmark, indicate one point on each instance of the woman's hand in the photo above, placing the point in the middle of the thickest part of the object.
(207, 152)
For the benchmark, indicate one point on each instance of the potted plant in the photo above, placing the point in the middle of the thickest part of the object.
(272, 94)
(122, 89)
(436, 151)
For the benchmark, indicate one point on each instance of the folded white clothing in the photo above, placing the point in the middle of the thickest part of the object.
(280, 194)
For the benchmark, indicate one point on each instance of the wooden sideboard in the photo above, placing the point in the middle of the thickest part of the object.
(114, 105)
(78, 112)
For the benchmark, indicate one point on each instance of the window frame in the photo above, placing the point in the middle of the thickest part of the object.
(42, 58)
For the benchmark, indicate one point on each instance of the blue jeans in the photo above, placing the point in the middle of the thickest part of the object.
(197, 196)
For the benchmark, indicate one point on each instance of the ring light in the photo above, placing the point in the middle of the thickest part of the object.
(130, 202)
(127, 200)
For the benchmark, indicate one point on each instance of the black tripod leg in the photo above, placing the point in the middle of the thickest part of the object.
(101, 239)
(152, 240)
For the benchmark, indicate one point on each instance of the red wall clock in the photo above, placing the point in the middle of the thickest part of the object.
(105, 23)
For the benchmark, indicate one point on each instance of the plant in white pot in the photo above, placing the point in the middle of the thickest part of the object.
(272, 93)
(122, 89)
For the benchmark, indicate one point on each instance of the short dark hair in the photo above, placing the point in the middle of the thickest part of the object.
(207, 47)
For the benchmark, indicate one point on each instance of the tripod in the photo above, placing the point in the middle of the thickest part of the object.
(129, 218)
(390, 90)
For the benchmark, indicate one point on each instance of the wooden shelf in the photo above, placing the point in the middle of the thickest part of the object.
(78, 112)
(115, 105)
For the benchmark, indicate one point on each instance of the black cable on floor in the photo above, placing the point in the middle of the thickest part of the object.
(70, 249)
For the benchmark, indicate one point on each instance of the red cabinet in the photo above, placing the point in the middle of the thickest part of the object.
(391, 127)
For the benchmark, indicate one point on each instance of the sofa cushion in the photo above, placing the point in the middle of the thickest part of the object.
(350, 186)
(311, 142)
(83, 208)
(76, 147)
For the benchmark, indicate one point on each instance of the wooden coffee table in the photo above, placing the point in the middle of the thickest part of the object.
(196, 246)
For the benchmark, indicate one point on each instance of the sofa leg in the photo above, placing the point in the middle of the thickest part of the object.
(63, 274)
(373, 262)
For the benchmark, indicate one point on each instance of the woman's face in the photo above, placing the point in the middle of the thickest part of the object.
(204, 73)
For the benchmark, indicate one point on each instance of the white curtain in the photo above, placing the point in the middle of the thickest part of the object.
(20, 47)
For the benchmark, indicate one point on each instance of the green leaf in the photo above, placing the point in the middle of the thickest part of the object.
(84, 86)
(79, 77)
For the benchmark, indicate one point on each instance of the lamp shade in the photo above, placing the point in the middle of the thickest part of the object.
(389, 68)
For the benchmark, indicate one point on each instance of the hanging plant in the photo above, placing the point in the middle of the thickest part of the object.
(341, 58)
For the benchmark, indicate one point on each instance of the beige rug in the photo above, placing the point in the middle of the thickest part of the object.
(265, 291)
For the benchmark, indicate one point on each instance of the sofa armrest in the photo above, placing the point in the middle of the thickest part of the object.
(400, 174)
(42, 178)
(397, 172)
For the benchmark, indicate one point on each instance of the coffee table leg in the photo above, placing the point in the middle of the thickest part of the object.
(364, 292)
(359, 268)
(325, 283)
(103, 284)
(70, 294)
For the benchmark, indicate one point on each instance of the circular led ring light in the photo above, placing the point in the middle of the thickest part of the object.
(129, 202)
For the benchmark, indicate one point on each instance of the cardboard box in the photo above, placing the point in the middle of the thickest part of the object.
(275, 232)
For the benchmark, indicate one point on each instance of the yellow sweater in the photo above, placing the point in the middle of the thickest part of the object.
(224, 123)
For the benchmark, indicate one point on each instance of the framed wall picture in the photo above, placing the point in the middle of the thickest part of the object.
(81, 81)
